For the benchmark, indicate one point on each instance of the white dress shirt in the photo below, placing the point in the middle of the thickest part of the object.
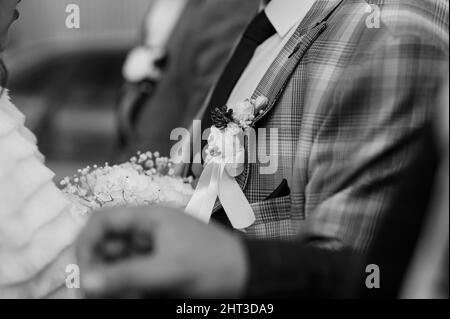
(285, 16)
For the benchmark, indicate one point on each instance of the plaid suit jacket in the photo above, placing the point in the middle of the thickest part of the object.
(348, 99)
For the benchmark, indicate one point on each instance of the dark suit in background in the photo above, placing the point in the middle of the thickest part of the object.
(197, 52)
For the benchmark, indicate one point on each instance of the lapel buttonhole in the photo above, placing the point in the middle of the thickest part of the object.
(297, 47)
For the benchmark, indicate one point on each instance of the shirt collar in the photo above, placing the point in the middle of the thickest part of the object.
(285, 14)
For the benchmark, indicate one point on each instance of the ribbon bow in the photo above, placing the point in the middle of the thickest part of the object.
(225, 161)
(218, 181)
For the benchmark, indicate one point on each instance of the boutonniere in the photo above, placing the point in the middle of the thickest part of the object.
(226, 140)
(224, 161)
(243, 114)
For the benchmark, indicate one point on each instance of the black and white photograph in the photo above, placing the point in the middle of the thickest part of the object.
(215, 156)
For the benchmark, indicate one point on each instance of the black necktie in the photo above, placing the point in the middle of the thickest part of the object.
(258, 31)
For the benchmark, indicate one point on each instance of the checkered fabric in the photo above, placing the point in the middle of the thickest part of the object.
(347, 99)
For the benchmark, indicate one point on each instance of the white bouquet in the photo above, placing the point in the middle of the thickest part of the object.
(146, 179)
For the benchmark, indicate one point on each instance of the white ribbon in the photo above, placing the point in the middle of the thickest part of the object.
(215, 182)
(225, 161)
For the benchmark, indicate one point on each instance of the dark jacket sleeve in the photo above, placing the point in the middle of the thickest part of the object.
(298, 270)
(295, 270)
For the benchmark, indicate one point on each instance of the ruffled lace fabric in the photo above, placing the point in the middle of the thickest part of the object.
(38, 224)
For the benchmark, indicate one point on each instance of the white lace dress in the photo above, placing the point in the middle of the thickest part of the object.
(38, 225)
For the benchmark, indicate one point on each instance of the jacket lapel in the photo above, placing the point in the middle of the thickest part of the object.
(274, 90)
(277, 77)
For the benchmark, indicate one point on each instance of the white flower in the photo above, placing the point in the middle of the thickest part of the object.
(140, 64)
(127, 184)
(173, 190)
(260, 102)
(120, 184)
(244, 111)
(232, 129)
(149, 194)
(226, 145)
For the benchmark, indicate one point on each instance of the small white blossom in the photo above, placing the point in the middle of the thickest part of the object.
(261, 101)
(243, 111)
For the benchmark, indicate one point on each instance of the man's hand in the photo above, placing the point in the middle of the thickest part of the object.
(186, 259)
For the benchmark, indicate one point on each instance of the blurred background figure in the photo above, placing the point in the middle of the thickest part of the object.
(66, 81)
(186, 44)
(70, 82)
(146, 63)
